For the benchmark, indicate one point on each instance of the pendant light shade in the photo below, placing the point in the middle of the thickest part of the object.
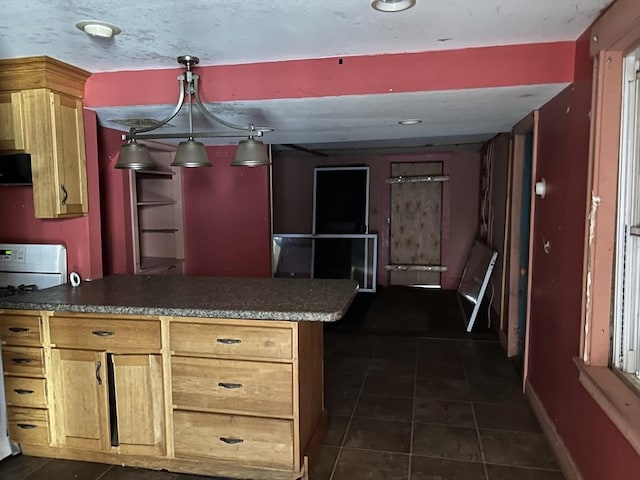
(191, 154)
(134, 156)
(250, 153)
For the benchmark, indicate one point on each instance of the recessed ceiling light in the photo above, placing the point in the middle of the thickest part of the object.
(410, 121)
(97, 28)
(392, 5)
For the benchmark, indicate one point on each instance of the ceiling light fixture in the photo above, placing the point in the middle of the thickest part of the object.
(392, 5)
(97, 28)
(191, 153)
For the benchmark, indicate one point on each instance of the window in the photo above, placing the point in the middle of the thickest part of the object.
(611, 323)
(626, 319)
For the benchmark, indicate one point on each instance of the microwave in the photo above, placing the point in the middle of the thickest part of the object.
(15, 169)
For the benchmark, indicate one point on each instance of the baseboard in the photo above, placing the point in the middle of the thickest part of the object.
(567, 465)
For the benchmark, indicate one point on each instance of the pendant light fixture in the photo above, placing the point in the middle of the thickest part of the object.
(191, 153)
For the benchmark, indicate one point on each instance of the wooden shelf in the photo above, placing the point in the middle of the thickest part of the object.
(158, 173)
(155, 262)
(157, 215)
(158, 230)
(155, 203)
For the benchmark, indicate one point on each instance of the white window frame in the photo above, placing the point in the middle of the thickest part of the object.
(625, 356)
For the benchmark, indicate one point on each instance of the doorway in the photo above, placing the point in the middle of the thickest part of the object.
(340, 209)
(517, 258)
(415, 225)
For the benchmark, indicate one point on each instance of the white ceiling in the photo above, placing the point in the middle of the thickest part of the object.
(220, 32)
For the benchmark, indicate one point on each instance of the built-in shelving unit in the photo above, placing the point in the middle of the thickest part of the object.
(156, 198)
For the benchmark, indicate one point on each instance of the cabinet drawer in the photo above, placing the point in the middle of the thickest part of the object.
(246, 440)
(20, 330)
(25, 392)
(105, 334)
(28, 425)
(233, 385)
(231, 340)
(23, 360)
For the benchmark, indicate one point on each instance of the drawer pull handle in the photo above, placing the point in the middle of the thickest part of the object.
(229, 385)
(27, 426)
(22, 391)
(98, 375)
(102, 333)
(228, 341)
(231, 441)
(19, 329)
(21, 361)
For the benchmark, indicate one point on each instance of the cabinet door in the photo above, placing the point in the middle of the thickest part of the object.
(54, 136)
(139, 404)
(80, 394)
(70, 154)
(11, 135)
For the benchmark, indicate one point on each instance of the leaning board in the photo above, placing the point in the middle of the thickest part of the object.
(475, 278)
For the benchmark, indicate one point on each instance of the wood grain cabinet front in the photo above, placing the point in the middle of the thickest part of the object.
(233, 386)
(41, 114)
(11, 129)
(109, 402)
(114, 335)
(25, 382)
(247, 440)
(229, 341)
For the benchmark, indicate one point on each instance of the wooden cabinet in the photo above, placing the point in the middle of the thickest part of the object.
(221, 397)
(11, 130)
(156, 197)
(238, 389)
(41, 114)
(25, 383)
(80, 390)
(108, 394)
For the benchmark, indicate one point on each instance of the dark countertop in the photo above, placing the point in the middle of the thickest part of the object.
(319, 300)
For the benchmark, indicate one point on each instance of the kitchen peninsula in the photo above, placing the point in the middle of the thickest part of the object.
(213, 376)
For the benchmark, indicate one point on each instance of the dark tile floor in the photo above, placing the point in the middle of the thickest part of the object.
(409, 408)
(437, 405)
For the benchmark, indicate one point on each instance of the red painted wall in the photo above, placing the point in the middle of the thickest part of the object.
(226, 222)
(597, 447)
(81, 235)
(293, 200)
(227, 218)
(116, 206)
(501, 66)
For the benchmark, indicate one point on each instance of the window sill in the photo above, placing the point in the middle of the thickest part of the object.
(618, 401)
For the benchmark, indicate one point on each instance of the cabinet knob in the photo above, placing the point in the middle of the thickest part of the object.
(231, 440)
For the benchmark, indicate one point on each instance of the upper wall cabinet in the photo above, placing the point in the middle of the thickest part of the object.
(41, 114)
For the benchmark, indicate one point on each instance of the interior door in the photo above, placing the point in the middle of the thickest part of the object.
(416, 225)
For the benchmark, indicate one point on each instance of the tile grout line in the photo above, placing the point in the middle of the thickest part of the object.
(104, 473)
(475, 419)
(353, 412)
(413, 409)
